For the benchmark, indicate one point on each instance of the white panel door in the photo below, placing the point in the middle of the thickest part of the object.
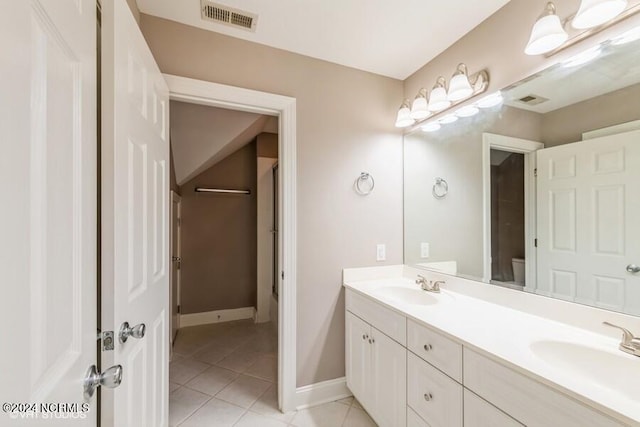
(135, 220)
(588, 210)
(48, 187)
(389, 380)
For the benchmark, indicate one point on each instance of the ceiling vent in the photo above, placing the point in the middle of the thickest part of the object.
(222, 14)
(532, 99)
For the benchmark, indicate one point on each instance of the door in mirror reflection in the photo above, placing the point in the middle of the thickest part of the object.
(589, 222)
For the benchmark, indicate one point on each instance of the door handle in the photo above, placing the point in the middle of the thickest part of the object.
(127, 331)
(633, 269)
(111, 378)
(176, 259)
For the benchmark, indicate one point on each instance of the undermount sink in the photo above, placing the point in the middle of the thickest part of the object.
(608, 369)
(406, 295)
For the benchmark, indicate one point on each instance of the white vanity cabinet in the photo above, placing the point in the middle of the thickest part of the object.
(406, 373)
(376, 372)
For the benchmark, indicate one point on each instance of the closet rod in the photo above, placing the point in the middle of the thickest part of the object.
(221, 190)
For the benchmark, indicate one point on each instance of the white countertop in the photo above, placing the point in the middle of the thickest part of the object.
(505, 335)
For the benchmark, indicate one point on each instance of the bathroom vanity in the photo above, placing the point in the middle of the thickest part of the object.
(480, 355)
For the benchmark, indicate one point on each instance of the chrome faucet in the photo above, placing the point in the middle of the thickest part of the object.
(629, 343)
(429, 285)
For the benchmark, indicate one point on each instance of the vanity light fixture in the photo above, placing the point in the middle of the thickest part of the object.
(449, 118)
(459, 87)
(443, 98)
(419, 108)
(438, 100)
(583, 57)
(593, 13)
(628, 37)
(491, 100)
(431, 127)
(404, 119)
(467, 111)
(547, 33)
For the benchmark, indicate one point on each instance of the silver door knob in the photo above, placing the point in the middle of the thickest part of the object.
(633, 269)
(127, 331)
(111, 378)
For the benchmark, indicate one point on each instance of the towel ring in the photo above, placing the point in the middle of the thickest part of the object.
(440, 188)
(365, 178)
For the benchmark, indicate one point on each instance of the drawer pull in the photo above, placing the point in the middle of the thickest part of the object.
(428, 397)
(428, 347)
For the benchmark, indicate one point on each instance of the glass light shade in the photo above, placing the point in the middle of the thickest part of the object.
(583, 58)
(438, 100)
(449, 118)
(431, 127)
(419, 109)
(467, 111)
(628, 37)
(459, 87)
(491, 100)
(596, 12)
(547, 34)
(404, 116)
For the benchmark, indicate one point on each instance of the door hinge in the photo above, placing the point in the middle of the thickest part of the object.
(282, 275)
(535, 172)
(535, 243)
(179, 309)
(107, 340)
(179, 222)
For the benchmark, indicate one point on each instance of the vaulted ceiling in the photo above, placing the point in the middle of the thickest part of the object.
(201, 136)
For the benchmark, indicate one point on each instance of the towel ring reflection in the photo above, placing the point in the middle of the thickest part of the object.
(440, 188)
(365, 184)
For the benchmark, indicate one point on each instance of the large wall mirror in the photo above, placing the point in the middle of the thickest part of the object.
(542, 192)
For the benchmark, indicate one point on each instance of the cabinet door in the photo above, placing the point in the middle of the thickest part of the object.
(389, 376)
(358, 357)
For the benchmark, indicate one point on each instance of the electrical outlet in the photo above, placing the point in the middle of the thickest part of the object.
(424, 250)
(381, 252)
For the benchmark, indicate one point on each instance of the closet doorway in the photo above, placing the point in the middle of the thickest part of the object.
(231, 226)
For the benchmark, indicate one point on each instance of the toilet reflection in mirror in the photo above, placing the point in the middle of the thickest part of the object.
(544, 190)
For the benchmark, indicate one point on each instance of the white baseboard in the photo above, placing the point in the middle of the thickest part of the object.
(322, 392)
(217, 316)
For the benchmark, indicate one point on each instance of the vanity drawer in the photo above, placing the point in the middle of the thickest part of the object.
(480, 413)
(433, 395)
(413, 420)
(435, 348)
(525, 399)
(385, 320)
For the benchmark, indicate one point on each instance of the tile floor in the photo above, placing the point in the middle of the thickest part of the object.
(225, 375)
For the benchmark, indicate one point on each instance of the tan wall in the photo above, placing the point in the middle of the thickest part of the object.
(345, 126)
(498, 45)
(567, 124)
(218, 269)
(173, 183)
(268, 145)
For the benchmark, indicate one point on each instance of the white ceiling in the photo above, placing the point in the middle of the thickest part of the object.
(201, 136)
(617, 68)
(393, 38)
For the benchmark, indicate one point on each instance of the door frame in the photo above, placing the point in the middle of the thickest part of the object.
(284, 107)
(528, 148)
(175, 199)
